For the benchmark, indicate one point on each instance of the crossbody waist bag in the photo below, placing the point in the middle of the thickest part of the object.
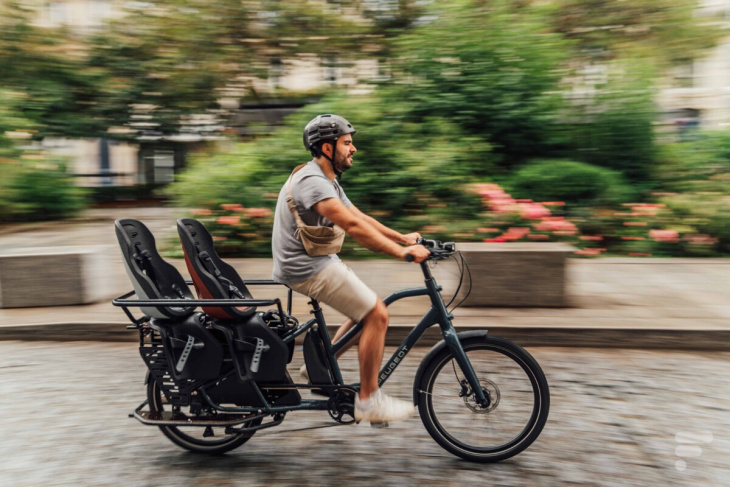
(317, 240)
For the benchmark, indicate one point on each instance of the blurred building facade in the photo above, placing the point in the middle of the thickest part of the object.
(155, 159)
(692, 96)
(698, 94)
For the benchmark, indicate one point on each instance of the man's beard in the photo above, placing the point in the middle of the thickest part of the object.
(340, 163)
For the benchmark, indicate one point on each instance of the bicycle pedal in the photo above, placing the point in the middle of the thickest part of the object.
(379, 424)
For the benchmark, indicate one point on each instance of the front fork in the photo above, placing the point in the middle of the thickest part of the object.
(452, 341)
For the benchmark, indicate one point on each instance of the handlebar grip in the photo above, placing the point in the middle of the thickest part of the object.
(409, 258)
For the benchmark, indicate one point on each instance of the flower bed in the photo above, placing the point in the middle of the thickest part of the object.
(638, 229)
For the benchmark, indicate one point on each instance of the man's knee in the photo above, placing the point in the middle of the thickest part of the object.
(378, 316)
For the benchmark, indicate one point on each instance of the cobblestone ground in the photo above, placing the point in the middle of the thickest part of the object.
(618, 418)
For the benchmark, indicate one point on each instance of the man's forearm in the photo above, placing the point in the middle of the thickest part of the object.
(372, 238)
(386, 231)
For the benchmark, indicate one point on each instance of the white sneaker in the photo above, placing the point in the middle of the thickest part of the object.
(303, 372)
(380, 408)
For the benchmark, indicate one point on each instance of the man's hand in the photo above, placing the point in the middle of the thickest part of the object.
(418, 252)
(411, 238)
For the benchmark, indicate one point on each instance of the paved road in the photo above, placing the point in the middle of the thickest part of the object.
(618, 418)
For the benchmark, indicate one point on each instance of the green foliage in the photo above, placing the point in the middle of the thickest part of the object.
(47, 70)
(699, 165)
(610, 122)
(12, 122)
(718, 226)
(397, 172)
(491, 69)
(662, 32)
(39, 191)
(575, 183)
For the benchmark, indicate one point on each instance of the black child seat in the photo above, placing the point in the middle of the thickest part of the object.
(192, 352)
(213, 278)
(260, 354)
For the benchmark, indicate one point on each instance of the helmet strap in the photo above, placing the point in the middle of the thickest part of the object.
(338, 174)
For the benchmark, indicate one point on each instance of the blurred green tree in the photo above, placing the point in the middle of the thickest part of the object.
(44, 68)
(489, 68)
(660, 32)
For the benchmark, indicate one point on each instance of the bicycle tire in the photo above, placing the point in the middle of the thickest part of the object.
(195, 441)
(514, 378)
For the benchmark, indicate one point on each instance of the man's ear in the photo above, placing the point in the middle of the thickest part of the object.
(324, 150)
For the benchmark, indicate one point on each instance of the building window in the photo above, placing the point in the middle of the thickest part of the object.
(162, 163)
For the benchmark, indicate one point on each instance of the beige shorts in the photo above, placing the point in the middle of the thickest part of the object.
(339, 287)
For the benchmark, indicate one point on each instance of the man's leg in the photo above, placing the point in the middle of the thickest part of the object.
(371, 349)
(344, 328)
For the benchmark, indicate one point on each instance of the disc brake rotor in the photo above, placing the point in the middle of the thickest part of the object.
(491, 391)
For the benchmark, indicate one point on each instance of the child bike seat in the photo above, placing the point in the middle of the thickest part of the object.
(151, 276)
(213, 278)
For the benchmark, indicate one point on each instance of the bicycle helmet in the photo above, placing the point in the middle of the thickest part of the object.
(325, 128)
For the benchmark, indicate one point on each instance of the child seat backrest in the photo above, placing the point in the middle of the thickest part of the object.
(151, 276)
(213, 278)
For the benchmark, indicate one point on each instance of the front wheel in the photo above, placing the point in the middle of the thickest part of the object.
(514, 415)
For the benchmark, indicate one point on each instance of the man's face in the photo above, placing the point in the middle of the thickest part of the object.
(345, 151)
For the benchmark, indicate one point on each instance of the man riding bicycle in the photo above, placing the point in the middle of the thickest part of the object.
(319, 201)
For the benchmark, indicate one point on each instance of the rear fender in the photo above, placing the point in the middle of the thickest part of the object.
(438, 348)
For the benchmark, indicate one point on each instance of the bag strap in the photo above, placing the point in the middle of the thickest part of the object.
(290, 199)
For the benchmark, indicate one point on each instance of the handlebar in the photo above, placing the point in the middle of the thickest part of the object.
(438, 249)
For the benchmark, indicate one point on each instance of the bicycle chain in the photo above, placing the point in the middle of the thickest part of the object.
(293, 430)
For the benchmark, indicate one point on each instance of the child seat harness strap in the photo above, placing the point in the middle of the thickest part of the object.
(144, 259)
(207, 261)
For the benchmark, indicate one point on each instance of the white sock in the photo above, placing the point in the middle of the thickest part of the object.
(366, 403)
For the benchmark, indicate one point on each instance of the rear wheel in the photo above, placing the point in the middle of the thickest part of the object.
(199, 439)
(514, 415)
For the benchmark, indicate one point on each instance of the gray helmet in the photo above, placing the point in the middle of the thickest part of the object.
(325, 128)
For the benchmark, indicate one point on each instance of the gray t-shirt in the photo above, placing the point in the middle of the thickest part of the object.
(309, 186)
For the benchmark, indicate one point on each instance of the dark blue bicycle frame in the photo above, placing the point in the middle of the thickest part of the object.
(437, 314)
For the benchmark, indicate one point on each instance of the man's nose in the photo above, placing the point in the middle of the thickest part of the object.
(353, 149)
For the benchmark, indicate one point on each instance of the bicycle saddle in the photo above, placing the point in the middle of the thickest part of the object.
(151, 276)
(213, 278)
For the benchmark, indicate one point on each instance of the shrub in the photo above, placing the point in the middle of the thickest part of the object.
(238, 231)
(575, 183)
(38, 192)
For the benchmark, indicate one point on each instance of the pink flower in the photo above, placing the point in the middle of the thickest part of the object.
(434, 228)
(588, 251)
(555, 225)
(591, 238)
(534, 211)
(671, 236)
(700, 239)
(231, 206)
(258, 212)
(515, 233)
(201, 212)
(229, 220)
